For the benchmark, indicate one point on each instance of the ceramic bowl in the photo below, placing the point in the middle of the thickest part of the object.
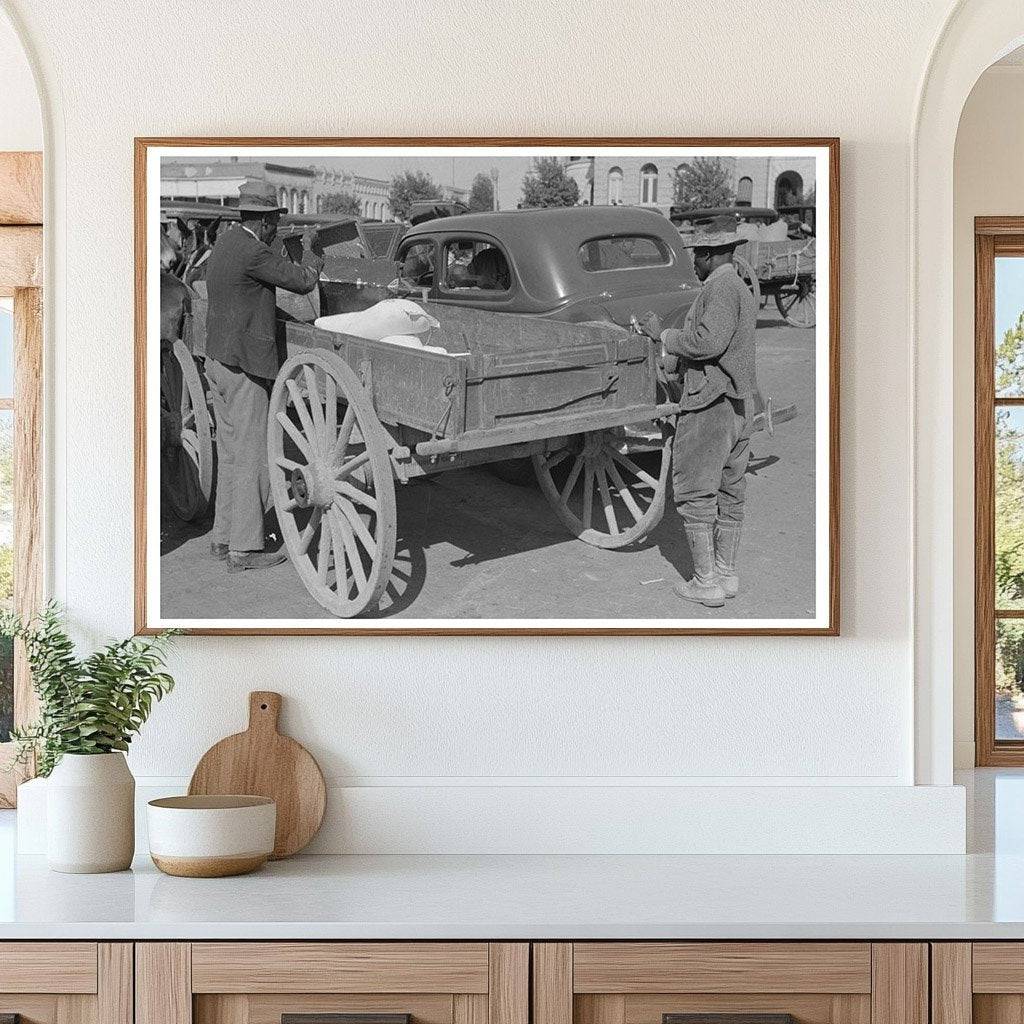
(211, 836)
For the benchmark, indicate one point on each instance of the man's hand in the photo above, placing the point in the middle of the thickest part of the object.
(650, 324)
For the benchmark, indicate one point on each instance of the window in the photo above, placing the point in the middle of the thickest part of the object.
(304, 202)
(789, 189)
(294, 204)
(473, 265)
(624, 252)
(282, 197)
(648, 184)
(615, 186)
(6, 510)
(416, 267)
(999, 491)
(744, 191)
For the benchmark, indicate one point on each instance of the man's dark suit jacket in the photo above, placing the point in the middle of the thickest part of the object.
(240, 281)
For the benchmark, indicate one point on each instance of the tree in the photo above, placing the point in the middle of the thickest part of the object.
(703, 184)
(1009, 490)
(410, 187)
(341, 202)
(481, 193)
(547, 184)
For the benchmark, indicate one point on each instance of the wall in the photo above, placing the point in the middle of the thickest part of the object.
(988, 180)
(21, 123)
(586, 729)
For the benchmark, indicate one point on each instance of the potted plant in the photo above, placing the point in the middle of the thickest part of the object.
(89, 709)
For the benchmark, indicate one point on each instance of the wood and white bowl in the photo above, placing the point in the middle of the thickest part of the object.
(211, 836)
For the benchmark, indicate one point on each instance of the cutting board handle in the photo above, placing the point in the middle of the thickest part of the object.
(264, 710)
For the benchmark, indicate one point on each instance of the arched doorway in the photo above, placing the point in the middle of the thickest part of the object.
(975, 35)
(789, 189)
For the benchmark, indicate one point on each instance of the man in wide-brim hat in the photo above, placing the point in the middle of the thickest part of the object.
(242, 360)
(715, 353)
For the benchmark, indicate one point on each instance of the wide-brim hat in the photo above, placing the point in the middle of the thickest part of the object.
(715, 233)
(260, 197)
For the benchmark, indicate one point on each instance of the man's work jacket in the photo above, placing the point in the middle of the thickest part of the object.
(715, 345)
(241, 278)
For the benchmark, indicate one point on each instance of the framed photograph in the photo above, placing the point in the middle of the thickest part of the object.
(487, 386)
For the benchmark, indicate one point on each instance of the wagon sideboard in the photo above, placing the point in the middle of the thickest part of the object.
(503, 378)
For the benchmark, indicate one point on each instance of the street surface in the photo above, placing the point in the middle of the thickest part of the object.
(472, 546)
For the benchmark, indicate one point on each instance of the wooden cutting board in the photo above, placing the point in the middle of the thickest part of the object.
(262, 762)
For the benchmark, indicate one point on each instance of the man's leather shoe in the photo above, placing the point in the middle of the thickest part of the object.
(239, 561)
(219, 551)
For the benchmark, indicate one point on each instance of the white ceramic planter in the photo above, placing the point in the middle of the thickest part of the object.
(90, 814)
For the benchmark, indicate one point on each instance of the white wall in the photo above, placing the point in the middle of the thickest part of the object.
(988, 181)
(21, 123)
(443, 713)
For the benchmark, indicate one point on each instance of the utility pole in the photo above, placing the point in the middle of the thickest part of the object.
(494, 189)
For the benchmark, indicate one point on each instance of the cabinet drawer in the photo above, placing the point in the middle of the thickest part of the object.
(48, 967)
(340, 967)
(635, 967)
(261, 982)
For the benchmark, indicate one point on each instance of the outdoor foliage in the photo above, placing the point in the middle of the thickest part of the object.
(410, 187)
(702, 184)
(91, 705)
(341, 202)
(1009, 506)
(481, 194)
(547, 184)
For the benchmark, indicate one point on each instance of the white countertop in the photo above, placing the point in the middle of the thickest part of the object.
(532, 897)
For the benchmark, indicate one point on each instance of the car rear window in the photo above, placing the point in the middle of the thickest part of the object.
(624, 252)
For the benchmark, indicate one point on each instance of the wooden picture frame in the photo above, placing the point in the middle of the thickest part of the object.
(822, 620)
(21, 268)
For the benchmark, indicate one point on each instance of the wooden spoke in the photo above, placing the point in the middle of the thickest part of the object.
(347, 423)
(570, 483)
(606, 498)
(349, 540)
(557, 458)
(286, 464)
(628, 463)
(624, 492)
(331, 413)
(295, 434)
(348, 468)
(341, 573)
(356, 495)
(323, 555)
(310, 528)
(361, 530)
(588, 496)
(304, 418)
(315, 408)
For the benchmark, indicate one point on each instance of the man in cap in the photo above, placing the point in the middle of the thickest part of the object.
(242, 360)
(715, 352)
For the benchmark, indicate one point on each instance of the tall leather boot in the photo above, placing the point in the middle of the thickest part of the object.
(703, 588)
(727, 544)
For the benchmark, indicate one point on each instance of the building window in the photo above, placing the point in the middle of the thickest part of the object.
(282, 197)
(304, 202)
(648, 184)
(615, 186)
(789, 189)
(999, 492)
(319, 204)
(744, 191)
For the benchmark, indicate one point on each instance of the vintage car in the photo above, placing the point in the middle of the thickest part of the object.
(574, 264)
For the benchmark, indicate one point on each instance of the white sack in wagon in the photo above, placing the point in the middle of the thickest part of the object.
(387, 319)
(412, 341)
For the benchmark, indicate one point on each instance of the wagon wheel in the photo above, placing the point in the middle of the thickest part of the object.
(599, 492)
(749, 278)
(186, 440)
(332, 483)
(796, 302)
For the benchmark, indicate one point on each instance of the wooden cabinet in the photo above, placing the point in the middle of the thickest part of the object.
(66, 982)
(647, 982)
(259, 982)
(979, 982)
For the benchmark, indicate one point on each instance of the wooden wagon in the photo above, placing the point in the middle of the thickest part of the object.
(784, 271)
(350, 417)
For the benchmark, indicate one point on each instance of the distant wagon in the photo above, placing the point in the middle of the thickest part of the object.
(779, 259)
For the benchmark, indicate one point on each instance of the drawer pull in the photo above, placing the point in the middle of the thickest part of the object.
(728, 1018)
(340, 1018)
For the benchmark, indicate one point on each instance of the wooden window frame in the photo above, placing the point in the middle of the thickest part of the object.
(21, 270)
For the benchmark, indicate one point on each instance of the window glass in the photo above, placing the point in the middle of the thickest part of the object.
(1009, 679)
(1009, 327)
(1009, 511)
(624, 252)
(417, 265)
(475, 266)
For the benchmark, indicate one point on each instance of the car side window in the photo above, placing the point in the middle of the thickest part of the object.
(624, 252)
(416, 265)
(474, 267)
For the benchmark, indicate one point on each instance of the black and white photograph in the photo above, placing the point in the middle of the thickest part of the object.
(421, 386)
